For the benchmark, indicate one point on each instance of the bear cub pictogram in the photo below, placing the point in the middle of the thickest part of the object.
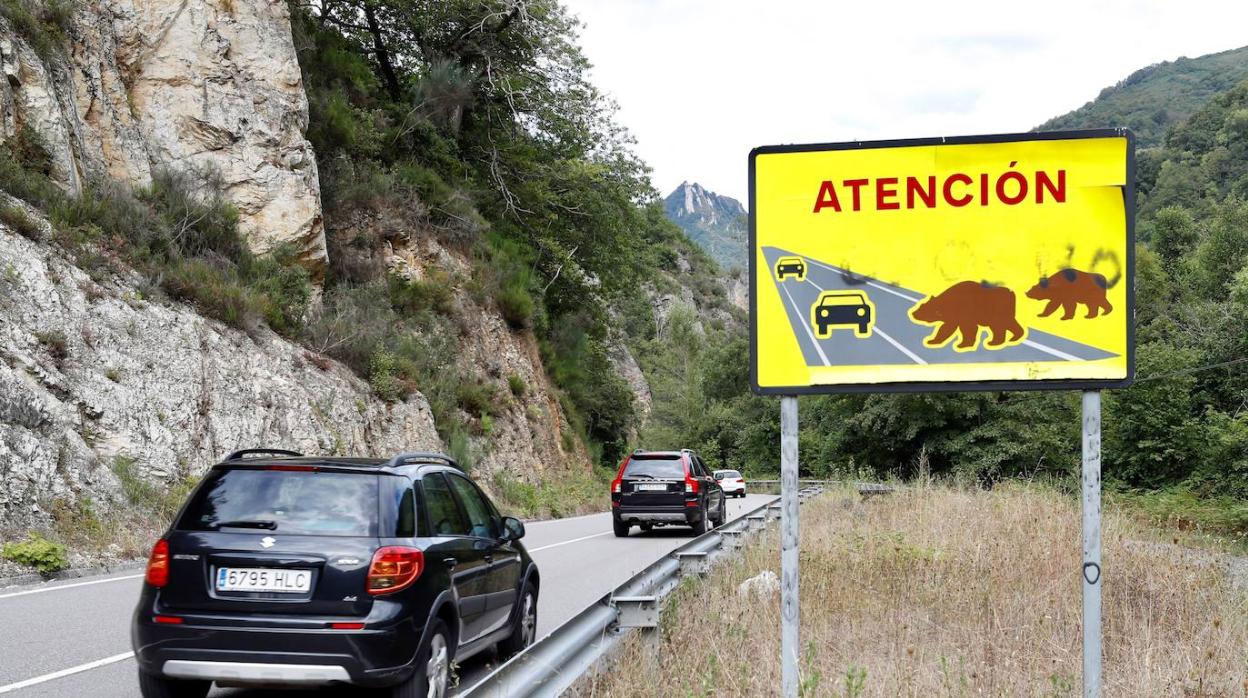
(1070, 287)
(965, 307)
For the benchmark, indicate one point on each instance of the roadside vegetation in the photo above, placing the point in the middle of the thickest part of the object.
(947, 591)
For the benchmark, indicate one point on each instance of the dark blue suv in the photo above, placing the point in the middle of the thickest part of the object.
(284, 570)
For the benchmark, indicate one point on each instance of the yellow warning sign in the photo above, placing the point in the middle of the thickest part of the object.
(984, 262)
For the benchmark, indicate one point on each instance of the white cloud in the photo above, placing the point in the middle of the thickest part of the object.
(700, 82)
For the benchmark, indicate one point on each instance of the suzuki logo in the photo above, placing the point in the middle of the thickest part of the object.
(267, 542)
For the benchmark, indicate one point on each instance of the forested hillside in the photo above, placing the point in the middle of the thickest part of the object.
(474, 124)
(1152, 100)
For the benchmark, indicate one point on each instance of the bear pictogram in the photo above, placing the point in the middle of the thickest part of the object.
(1070, 287)
(965, 307)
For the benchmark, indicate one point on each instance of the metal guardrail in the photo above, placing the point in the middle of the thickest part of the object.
(552, 664)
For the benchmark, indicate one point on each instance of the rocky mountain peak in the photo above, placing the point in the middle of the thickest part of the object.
(692, 201)
(714, 221)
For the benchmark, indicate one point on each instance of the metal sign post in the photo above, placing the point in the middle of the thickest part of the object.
(1091, 544)
(789, 642)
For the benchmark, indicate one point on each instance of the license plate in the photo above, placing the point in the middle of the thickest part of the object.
(262, 579)
(650, 488)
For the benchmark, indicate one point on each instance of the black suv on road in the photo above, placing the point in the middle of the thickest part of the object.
(282, 570)
(658, 488)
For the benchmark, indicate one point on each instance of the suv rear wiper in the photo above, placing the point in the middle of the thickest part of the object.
(635, 476)
(270, 525)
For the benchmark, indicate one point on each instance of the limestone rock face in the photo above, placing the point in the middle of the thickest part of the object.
(210, 87)
(91, 372)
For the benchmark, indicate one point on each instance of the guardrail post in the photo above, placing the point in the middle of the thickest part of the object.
(693, 563)
(789, 635)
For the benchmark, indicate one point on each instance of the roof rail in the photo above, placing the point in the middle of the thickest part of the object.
(422, 457)
(257, 451)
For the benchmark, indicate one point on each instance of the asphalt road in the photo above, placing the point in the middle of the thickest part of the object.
(72, 638)
(896, 338)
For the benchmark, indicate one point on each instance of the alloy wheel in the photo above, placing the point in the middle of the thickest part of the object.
(438, 667)
(528, 621)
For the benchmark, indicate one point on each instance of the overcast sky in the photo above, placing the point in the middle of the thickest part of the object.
(700, 82)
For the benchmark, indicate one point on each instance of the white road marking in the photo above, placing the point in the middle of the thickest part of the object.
(1026, 342)
(1050, 350)
(66, 672)
(914, 357)
(568, 542)
(58, 587)
(805, 326)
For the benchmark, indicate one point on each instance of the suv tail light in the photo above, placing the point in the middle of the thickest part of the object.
(158, 564)
(617, 485)
(394, 567)
(691, 485)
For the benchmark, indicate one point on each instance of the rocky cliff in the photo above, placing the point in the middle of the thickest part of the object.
(212, 87)
(92, 373)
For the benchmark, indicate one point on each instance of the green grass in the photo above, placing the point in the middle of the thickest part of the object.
(17, 219)
(162, 501)
(1182, 509)
(566, 494)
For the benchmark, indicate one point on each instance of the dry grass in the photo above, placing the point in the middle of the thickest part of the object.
(941, 592)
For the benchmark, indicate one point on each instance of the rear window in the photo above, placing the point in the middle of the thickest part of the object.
(729, 474)
(290, 502)
(665, 468)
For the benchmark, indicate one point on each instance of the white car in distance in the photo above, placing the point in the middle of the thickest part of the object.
(731, 482)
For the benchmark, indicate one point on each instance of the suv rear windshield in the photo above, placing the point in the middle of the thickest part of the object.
(728, 473)
(291, 502)
(656, 467)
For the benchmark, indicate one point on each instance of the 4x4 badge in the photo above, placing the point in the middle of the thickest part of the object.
(267, 542)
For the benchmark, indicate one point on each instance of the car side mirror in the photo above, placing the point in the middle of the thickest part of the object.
(513, 528)
(719, 477)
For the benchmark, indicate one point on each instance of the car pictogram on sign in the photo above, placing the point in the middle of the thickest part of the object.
(794, 266)
(847, 309)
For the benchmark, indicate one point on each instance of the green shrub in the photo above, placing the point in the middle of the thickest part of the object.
(197, 220)
(283, 288)
(475, 397)
(21, 223)
(383, 376)
(160, 499)
(42, 24)
(433, 293)
(515, 304)
(38, 552)
(516, 382)
(459, 447)
(30, 151)
(214, 291)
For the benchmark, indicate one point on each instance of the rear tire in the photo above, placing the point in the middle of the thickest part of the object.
(524, 626)
(699, 526)
(723, 514)
(154, 686)
(620, 528)
(433, 667)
